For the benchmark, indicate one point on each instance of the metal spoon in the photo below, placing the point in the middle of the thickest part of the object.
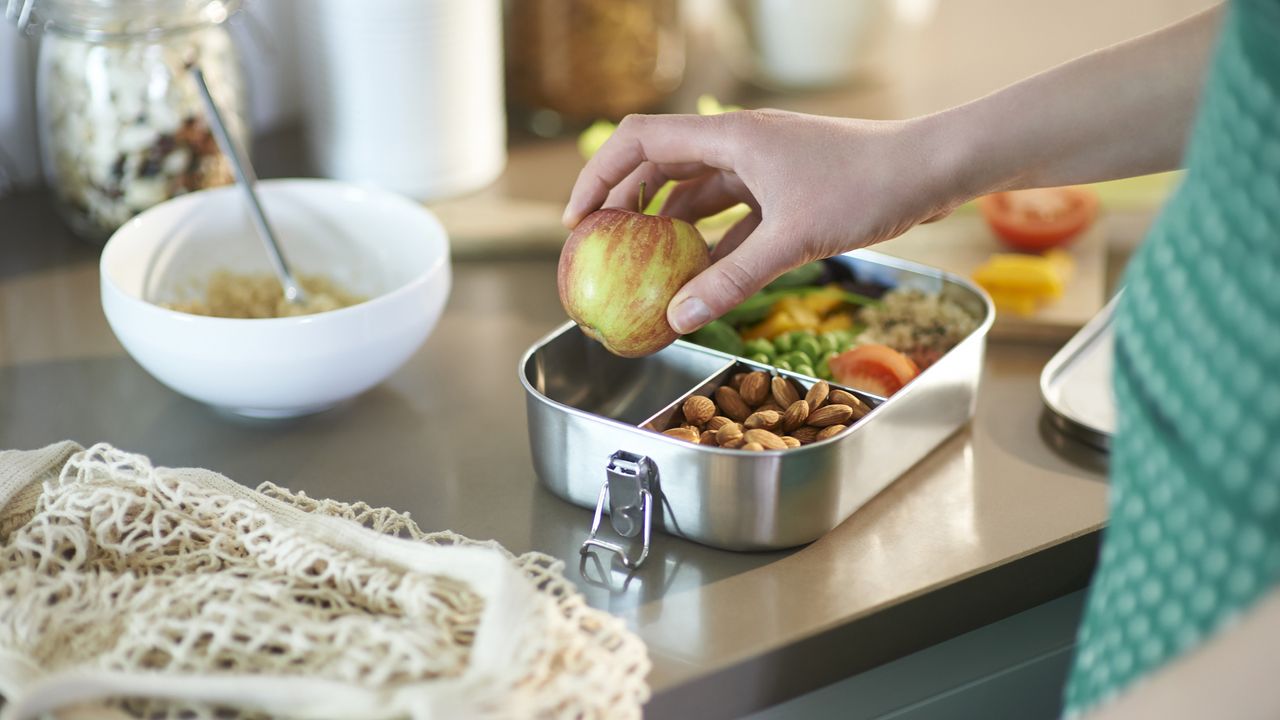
(246, 179)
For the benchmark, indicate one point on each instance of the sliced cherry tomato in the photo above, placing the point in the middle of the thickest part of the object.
(1039, 219)
(872, 368)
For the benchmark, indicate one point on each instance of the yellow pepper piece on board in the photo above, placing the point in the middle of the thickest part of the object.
(1014, 302)
(1020, 283)
(1013, 272)
(1063, 263)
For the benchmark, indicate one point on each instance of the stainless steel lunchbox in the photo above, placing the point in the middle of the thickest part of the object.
(586, 408)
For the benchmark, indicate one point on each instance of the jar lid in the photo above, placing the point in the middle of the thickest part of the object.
(118, 19)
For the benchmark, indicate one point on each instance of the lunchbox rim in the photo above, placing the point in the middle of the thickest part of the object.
(975, 336)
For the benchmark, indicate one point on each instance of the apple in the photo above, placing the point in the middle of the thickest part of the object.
(619, 270)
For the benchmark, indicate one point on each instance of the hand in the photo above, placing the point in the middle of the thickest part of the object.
(817, 186)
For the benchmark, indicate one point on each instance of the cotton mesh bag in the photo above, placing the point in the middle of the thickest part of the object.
(128, 590)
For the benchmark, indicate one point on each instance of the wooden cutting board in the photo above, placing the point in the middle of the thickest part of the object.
(962, 242)
(489, 225)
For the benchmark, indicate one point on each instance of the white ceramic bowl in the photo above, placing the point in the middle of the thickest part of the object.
(370, 242)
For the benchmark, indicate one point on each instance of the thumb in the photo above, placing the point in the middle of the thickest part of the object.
(729, 281)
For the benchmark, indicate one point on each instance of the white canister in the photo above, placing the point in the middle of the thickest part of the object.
(404, 94)
(811, 43)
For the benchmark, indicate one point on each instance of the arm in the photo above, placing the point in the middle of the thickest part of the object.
(1118, 112)
(819, 186)
(1231, 675)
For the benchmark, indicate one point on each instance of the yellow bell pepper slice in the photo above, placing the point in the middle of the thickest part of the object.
(778, 322)
(836, 321)
(825, 300)
(1014, 302)
(1032, 274)
(1019, 283)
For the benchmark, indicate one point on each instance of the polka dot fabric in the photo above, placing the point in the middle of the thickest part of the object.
(1194, 533)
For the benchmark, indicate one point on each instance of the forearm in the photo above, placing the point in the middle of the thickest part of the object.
(1122, 111)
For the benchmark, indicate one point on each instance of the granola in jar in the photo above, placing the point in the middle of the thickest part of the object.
(122, 126)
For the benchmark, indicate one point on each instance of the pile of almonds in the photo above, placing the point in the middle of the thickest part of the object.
(757, 412)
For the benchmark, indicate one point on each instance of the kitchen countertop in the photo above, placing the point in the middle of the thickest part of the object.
(998, 519)
(992, 522)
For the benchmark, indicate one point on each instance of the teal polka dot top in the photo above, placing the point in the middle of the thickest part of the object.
(1194, 531)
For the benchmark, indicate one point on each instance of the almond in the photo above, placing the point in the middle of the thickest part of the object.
(754, 447)
(784, 393)
(699, 409)
(795, 416)
(708, 437)
(790, 441)
(734, 444)
(831, 431)
(840, 397)
(830, 415)
(817, 394)
(735, 382)
(771, 405)
(765, 419)
(729, 432)
(718, 422)
(860, 409)
(681, 433)
(755, 388)
(765, 438)
(805, 434)
(731, 404)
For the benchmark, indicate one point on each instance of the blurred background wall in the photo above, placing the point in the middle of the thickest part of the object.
(915, 56)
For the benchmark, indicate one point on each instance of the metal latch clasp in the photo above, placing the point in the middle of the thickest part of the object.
(628, 488)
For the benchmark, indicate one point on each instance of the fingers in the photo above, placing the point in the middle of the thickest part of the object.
(734, 236)
(753, 262)
(660, 139)
(936, 217)
(626, 194)
(707, 195)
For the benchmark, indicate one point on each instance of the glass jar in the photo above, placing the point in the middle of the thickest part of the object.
(121, 124)
(590, 59)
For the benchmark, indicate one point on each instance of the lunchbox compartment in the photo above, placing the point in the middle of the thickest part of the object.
(572, 369)
(673, 414)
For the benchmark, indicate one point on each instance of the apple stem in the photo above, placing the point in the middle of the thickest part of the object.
(640, 202)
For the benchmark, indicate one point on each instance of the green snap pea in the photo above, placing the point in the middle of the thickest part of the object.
(719, 335)
(808, 274)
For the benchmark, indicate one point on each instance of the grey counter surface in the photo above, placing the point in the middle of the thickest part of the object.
(994, 521)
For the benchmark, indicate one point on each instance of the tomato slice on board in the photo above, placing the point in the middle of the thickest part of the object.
(873, 368)
(1042, 218)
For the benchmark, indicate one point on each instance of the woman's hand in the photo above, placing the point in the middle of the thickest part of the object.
(817, 186)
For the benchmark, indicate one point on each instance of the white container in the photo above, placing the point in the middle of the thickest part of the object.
(811, 43)
(370, 242)
(405, 94)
